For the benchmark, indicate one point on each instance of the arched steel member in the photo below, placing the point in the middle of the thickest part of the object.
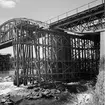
(8, 27)
(20, 32)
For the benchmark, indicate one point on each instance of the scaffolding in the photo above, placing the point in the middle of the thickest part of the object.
(46, 55)
(43, 54)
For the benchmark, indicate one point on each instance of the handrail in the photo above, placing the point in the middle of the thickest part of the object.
(74, 11)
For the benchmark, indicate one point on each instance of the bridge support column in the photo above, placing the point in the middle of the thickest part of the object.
(102, 44)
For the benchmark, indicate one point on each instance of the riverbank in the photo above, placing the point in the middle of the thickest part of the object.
(72, 94)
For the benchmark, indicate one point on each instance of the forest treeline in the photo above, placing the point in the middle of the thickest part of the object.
(5, 62)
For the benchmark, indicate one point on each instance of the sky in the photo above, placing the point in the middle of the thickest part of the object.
(41, 10)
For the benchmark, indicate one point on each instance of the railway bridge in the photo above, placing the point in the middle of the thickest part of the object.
(50, 52)
(88, 19)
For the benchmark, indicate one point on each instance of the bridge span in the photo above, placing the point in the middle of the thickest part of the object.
(48, 52)
(87, 18)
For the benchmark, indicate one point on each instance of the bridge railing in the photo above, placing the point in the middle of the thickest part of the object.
(75, 11)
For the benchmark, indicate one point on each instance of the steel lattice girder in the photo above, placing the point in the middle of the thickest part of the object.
(7, 29)
(92, 20)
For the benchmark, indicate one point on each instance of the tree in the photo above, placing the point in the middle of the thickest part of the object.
(5, 63)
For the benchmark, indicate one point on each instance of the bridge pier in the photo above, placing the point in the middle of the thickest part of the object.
(102, 44)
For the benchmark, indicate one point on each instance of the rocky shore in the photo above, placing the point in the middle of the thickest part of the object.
(44, 94)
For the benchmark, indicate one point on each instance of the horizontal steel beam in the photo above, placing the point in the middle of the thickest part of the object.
(5, 45)
(82, 21)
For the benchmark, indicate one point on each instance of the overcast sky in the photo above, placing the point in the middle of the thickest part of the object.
(41, 10)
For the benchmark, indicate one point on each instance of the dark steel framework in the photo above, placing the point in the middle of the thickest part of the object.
(88, 20)
(44, 54)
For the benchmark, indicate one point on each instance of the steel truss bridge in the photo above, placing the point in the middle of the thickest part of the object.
(44, 52)
(87, 18)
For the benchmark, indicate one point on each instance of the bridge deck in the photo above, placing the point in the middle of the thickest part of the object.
(74, 20)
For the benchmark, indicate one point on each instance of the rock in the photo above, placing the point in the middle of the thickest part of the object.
(62, 97)
(6, 101)
(34, 96)
(32, 86)
(16, 98)
(58, 91)
(53, 91)
(36, 89)
(61, 87)
(39, 95)
(46, 92)
(3, 100)
(9, 103)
